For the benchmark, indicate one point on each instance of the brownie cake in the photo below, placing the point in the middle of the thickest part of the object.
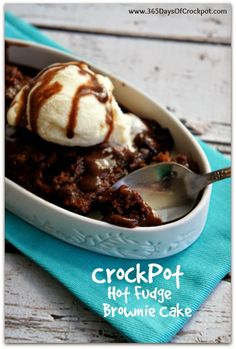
(80, 178)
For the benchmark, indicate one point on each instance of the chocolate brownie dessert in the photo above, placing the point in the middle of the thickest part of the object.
(80, 178)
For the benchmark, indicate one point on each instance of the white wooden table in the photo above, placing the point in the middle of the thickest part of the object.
(184, 62)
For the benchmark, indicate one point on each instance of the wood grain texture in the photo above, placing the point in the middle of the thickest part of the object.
(115, 19)
(40, 310)
(216, 134)
(191, 80)
(184, 63)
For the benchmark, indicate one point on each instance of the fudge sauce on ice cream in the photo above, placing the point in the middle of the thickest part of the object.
(70, 144)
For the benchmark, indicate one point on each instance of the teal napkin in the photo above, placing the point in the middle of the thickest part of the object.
(204, 264)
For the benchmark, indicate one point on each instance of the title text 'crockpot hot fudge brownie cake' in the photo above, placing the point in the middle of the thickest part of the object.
(68, 141)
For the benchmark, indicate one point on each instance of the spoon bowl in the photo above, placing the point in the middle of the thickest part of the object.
(169, 188)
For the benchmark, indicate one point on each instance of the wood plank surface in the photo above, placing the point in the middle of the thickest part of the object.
(184, 63)
(115, 19)
(191, 80)
(40, 310)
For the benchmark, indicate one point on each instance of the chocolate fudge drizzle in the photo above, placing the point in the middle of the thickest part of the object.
(38, 96)
(44, 90)
(94, 88)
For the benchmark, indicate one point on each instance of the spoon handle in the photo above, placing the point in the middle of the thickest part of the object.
(218, 175)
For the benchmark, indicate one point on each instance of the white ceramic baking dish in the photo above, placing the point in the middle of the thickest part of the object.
(92, 234)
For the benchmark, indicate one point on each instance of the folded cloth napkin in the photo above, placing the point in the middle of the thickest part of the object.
(204, 263)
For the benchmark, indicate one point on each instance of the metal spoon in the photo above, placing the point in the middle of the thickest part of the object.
(169, 188)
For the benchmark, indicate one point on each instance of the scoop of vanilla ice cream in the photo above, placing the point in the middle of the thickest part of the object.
(91, 125)
(68, 104)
